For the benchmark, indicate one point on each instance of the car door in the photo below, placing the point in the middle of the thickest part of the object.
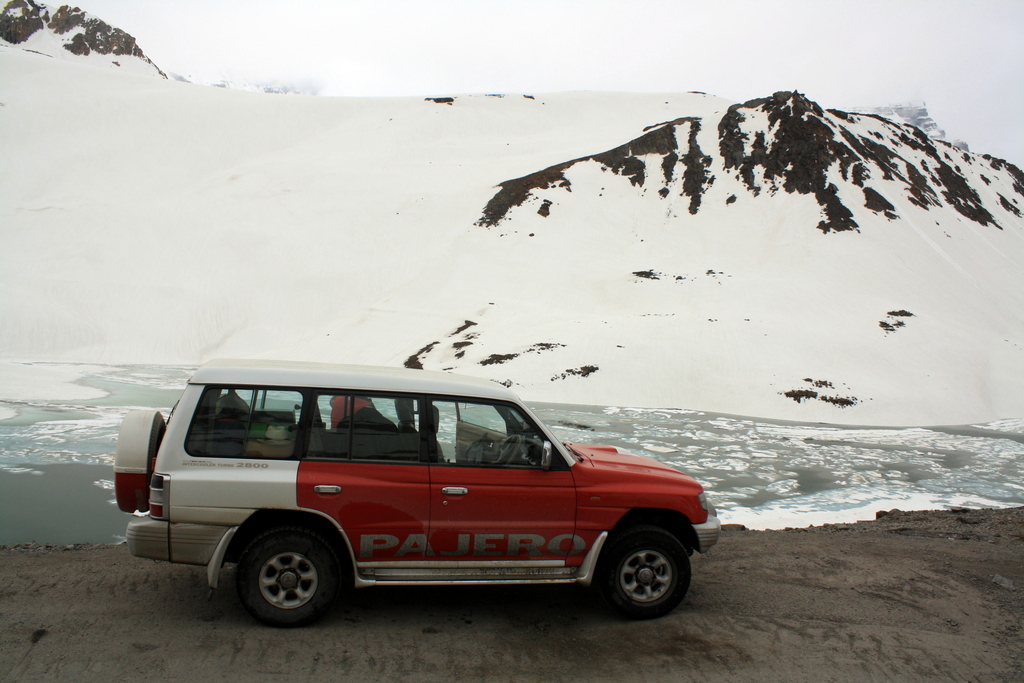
(363, 467)
(489, 497)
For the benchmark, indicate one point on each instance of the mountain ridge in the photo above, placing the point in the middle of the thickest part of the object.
(803, 148)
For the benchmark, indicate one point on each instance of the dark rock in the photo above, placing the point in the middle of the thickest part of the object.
(1003, 165)
(514, 192)
(1005, 203)
(414, 361)
(497, 358)
(879, 204)
(648, 274)
(20, 19)
(582, 371)
(465, 326)
(695, 177)
(799, 395)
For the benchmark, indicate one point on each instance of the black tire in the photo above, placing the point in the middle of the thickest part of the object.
(644, 572)
(288, 576)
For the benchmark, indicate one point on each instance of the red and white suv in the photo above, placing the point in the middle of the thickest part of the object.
(311, 477)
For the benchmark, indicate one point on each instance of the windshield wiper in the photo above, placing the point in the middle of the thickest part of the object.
(573, 451)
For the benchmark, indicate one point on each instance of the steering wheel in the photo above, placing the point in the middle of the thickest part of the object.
(511, 449)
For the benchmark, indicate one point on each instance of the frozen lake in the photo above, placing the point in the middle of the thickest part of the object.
(761, 473)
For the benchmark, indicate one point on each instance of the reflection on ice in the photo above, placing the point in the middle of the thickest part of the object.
(760, 472)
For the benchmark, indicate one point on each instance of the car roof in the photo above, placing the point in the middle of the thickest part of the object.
(360, 377)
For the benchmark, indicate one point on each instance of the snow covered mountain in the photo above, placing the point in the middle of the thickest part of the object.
(764, 258)
(916, 114)
(69, 33)
(271, 88)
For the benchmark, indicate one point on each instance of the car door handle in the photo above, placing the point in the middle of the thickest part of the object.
(327, 488)
(454, 490)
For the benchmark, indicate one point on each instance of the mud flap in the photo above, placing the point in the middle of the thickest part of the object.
(213, 568)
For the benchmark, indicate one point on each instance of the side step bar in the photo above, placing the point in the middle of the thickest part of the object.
(469, 572)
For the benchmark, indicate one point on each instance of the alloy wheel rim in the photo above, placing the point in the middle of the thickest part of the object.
(645, 576)
(288, 580)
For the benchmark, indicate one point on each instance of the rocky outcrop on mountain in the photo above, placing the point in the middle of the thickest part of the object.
(20, 19)
(76, 31)
(787, 142)
(626, 160)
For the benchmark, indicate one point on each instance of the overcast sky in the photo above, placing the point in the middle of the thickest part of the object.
(964, 58)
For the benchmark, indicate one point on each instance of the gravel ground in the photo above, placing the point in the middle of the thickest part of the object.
(912, 596)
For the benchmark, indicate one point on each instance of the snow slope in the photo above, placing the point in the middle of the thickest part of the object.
(152, 221)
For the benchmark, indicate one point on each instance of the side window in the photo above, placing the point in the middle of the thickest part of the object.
(484, 434)
(365, 427)
(326, 440)
(236, 422)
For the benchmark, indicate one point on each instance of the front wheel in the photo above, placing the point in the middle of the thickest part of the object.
(644, 572)
(288, 577)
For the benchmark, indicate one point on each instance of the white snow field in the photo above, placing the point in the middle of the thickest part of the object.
(148, 221)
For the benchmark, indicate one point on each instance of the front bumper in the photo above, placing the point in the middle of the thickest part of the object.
(707, 533)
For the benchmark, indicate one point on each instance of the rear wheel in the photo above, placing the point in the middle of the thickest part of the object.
(644, 572)
(288, 576)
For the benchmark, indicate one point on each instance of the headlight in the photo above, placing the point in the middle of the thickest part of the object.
(706, 504)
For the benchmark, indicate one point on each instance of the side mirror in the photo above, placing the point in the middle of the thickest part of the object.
(545, 457)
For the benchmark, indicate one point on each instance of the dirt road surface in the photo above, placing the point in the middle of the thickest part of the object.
(936, 596)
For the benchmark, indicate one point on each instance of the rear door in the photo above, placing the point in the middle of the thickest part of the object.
(364, 468)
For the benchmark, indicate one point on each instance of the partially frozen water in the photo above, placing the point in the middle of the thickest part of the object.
(762, 473)
(769, 474)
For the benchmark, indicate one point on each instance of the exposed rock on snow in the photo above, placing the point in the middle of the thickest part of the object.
(20, 19)
(498, 358)
(783, 142)
(582, 371)
(802, 148)
(69, 30)
(800, 395)
(625, 160)
(894, 320)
